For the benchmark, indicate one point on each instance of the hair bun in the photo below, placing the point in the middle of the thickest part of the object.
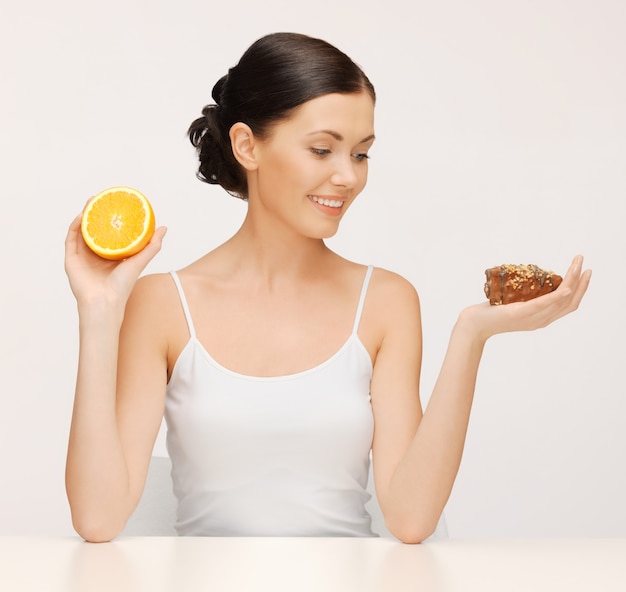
(218, 89)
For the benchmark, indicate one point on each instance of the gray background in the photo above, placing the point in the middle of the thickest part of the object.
(501, 138)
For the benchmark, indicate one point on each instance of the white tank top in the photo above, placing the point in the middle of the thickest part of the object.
(271, 456)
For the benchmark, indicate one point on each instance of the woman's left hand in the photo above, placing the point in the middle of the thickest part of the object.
(488, 320)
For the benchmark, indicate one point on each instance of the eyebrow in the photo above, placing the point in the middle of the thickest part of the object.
(339, 137)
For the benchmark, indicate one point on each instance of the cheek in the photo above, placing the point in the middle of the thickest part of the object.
(274, 174)
(362, 178)
(285, 182)
(288, 170)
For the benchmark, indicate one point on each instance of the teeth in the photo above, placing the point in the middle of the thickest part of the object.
(332, 203)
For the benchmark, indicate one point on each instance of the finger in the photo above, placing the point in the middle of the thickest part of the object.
(141, 259)
(574, 276)
(563, 295)
(569, 295)
(71, 238)
(76, 222)
(581, 289)
(75, 227)
(573, 273)
(577, 265)
(157, 238)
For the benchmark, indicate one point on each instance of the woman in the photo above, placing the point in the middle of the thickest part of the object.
(279, 364)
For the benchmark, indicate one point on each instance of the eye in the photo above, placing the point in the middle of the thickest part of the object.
(361, 156)
(320, 151)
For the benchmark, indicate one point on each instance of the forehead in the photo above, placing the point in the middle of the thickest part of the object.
(350, 115)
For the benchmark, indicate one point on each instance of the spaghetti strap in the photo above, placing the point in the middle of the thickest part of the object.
(359, 310)
(183, 301)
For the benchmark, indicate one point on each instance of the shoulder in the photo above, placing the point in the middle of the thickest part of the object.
(154, 281)
(154, 317)
(391, 292)
(385, 286)
(154, 288)
(152, 298)
(391, 313)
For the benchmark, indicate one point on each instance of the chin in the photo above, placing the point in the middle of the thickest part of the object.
(323, 233)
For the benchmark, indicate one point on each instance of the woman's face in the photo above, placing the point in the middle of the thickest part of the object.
(314, 164)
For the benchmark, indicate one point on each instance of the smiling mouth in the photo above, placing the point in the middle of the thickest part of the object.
(329, 203)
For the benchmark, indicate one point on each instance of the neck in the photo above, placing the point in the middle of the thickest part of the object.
(273, 255)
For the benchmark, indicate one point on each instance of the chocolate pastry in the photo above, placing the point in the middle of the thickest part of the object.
(518, 283)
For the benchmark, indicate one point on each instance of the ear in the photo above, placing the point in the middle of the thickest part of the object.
(243, 144)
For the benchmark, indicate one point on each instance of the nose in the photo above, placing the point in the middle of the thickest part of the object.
(345, 173)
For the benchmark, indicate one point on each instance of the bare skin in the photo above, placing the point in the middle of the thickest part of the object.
(276, 283)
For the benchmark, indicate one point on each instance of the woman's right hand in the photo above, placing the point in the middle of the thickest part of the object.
(94, 279)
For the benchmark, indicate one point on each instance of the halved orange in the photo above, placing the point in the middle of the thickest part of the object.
(117, 222)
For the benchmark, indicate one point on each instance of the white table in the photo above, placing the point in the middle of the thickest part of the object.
(179, 564)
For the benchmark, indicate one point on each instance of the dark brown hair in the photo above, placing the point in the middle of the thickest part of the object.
(276, 74)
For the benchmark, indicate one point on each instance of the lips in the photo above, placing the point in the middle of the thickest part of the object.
(329, 206)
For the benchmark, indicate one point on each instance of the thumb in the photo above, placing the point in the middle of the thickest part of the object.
(141, 259)
(157, 239)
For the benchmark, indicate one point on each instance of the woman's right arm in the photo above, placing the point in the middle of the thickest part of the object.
(120, 386)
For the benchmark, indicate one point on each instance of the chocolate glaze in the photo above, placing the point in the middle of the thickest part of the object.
(518, 283)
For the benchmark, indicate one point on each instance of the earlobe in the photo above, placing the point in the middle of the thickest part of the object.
(242, 141)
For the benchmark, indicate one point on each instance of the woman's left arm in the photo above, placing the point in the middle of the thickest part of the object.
(416, 456)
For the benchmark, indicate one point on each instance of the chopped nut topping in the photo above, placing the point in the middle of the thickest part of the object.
(512, 283)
